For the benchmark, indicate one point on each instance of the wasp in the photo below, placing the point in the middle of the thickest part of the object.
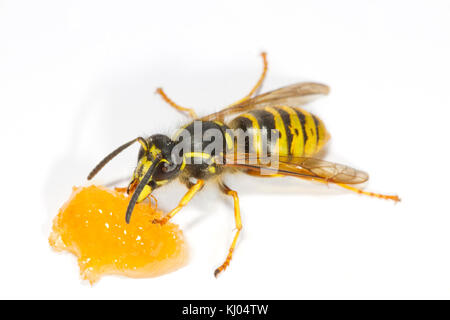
(242, 144)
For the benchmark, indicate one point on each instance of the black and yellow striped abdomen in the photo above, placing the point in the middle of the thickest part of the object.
(300, 133)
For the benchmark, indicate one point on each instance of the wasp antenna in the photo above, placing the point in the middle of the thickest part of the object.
(139, 189)
(112, 155)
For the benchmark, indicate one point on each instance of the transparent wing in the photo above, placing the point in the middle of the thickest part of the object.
(303, 167)
(294, 95)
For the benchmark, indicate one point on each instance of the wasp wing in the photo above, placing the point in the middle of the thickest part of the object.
(302, 167)
(294, 95)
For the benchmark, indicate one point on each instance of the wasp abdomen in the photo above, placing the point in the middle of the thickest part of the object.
(283, 130)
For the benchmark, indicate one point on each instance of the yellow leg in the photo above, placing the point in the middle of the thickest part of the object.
(259, 175)
(359, 191)
(237, 218)
(191, 112)
(257, 85)
(156, 202)
(184, 201)
(370, 194)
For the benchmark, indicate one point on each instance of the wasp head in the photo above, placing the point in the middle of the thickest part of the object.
(156, 166)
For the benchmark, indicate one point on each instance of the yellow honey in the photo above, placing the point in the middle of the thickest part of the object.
(92, 226)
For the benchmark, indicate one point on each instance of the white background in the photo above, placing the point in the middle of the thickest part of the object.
(77, 79)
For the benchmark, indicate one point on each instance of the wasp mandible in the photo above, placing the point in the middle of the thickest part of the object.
(244, 145)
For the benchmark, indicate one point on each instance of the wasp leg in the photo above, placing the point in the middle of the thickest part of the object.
(257, 85)
(237, 219)
(357, 190)
(191, 112)
(184, 201)
(156, 203)
(259, 175)
(370, 194)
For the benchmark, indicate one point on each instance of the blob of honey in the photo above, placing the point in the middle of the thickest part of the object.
(92, 226)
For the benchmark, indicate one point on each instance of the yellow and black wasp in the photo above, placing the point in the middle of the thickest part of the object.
(244, 145)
